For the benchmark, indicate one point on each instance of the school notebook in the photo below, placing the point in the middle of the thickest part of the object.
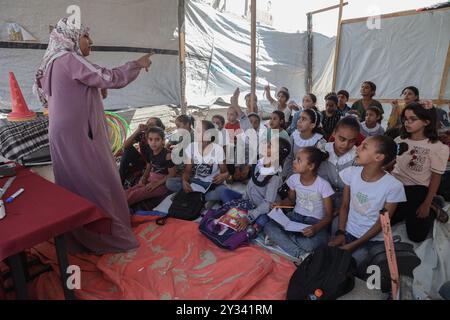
(233, 218)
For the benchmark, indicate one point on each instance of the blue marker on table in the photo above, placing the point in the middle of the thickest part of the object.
(15, 195)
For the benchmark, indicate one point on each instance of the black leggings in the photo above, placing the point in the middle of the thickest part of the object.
(416, 228)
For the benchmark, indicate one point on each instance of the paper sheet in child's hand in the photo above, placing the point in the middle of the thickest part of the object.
(278, 216)
(198, 188)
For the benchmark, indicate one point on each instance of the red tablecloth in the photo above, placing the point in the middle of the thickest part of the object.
(44, 210)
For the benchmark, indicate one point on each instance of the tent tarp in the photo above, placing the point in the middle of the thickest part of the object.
(218, 56)
(406, 50)
(218, 52)
(130, 24)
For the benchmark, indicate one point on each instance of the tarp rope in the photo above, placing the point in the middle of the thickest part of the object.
(118, 130)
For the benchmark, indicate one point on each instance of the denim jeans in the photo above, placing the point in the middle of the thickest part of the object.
(294, 243)
(262, 220)
(362, 252)
(175, 184)
(228, 195)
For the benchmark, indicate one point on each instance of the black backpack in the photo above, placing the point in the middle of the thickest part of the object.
(185, 206)
(407, 261)
(329, 269)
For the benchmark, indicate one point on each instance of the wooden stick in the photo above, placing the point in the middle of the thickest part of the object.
(390, 253)
(394, 14)
(283, 207)
(338, 44)
(182, 55)
(327, 8)
(435, 101)
(253, 52)
(309, 16)
(444, 79)
(309, 70)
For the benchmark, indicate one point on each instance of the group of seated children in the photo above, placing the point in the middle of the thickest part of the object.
(336, 165)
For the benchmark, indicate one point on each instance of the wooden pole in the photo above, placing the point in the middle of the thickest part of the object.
(209, 67)
(385, 100)
(253, 52)
(182, 55)
(309, 70)
(444, 79)
(395, 14)
(338, 44)
(327, 8)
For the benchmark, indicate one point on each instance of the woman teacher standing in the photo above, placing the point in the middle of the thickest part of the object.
(79, 145)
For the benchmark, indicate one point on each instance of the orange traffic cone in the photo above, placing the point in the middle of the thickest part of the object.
(20, 111)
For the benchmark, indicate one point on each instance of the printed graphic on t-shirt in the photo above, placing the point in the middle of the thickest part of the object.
(361, 203)
(204, 170)
(306, 200)
(418, 158)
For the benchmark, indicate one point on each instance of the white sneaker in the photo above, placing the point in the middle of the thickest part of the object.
(298, 261)
(268, 241)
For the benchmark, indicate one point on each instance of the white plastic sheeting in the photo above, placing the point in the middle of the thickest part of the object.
(218, 56)
(124, 23)
(434, 270)
(323, 62)
(406, 50)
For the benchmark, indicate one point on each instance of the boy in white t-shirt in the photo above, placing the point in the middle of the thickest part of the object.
(313, 206)
(368, 190)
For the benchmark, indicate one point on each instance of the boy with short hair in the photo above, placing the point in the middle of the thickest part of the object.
(368, 90)
(343, 97)
(330, 116)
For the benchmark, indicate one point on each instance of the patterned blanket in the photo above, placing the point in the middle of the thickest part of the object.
(19, 139)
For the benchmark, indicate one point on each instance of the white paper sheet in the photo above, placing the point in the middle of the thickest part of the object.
(278, 216)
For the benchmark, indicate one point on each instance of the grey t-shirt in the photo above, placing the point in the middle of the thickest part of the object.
(262, 197)
(329, 170)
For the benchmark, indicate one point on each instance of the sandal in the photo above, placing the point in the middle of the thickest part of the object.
(437, 205)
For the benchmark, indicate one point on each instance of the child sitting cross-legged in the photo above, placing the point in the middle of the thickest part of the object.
(205, 166)
(368, 190)
(313, 206)
(159, 167)
(262, 188)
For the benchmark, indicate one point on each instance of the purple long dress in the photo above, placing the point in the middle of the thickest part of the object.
(79, 145)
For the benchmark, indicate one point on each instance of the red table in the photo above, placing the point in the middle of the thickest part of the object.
(43, 211)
